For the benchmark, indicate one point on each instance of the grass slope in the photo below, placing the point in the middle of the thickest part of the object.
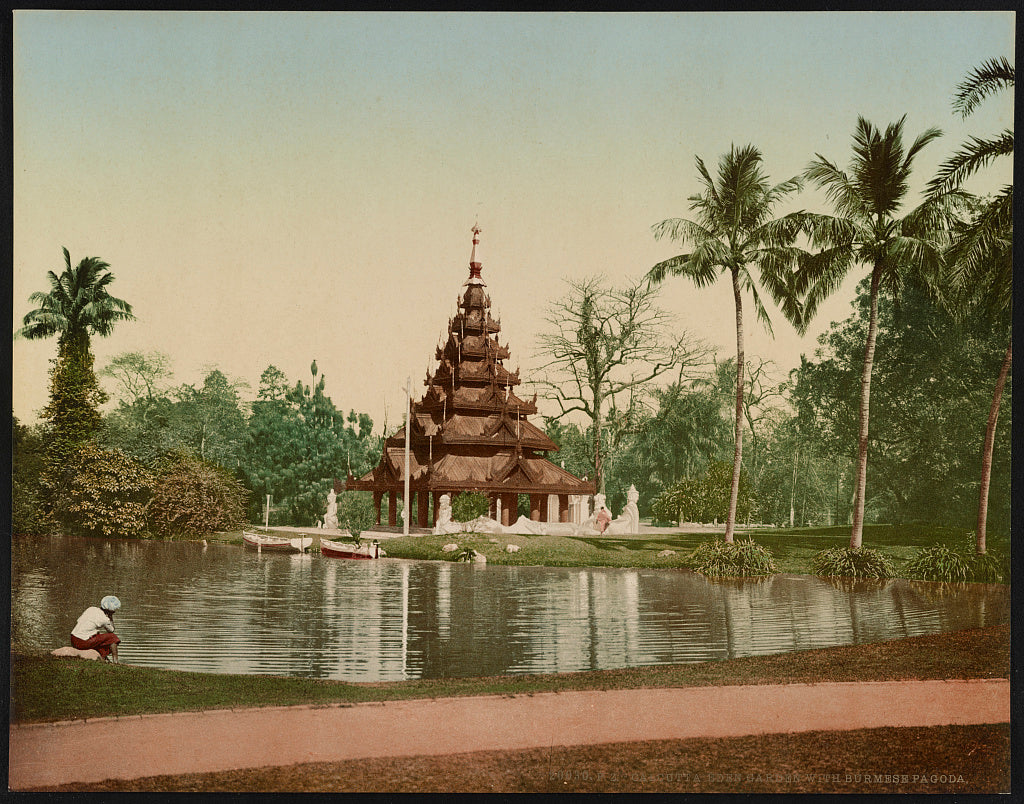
(792, 549)
(47, 689)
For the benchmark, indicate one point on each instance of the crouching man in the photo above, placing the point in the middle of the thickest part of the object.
(95, 629)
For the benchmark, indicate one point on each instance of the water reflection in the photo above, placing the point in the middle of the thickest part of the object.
(218, 608)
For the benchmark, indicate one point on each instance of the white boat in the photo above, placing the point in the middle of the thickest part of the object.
(350, 549)
(275, 544)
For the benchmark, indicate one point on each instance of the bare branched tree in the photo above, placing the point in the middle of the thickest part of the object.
(605, 342)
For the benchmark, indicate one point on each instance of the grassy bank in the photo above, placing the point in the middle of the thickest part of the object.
(47, 689)
(793, 549)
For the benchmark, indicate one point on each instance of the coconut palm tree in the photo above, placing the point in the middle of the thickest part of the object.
(980, 259)
(77, 306)
(867, 231)
(733, 233)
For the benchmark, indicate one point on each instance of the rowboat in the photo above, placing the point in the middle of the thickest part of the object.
(350, 549)
(275, 544)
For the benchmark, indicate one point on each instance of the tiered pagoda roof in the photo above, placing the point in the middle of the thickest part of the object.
(470, 431)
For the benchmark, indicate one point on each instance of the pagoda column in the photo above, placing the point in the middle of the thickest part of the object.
(509, 504)
(563, 507)
(437, 507)
(423, 500)
(392, 507)
(535, 507)
(377, 496)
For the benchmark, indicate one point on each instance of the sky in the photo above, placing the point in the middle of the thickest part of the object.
(274, 188)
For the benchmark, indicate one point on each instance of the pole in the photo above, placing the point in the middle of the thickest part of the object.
(266, 515)
(405, 499)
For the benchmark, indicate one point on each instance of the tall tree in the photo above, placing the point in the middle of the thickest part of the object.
(298, 442)
(981, 256)
(606, 341)
(928, 392)
(77, 306)
(867, 231)
(733, 233)
(139, 375)
(209, 421)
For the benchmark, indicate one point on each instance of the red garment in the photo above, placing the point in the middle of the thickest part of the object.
(100, 643)
(602, 520)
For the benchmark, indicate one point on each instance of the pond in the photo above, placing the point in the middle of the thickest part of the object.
(222, 609)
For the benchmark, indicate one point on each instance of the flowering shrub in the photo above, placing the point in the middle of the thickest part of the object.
(192, 497)
(102, 493)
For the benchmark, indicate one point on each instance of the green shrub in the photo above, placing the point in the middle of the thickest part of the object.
(355, 512)
(469, 505)
(102, 493)
(742, 558)
(192, 497)
(703, 499)
(991, 567)
(28, 514)
(939, 563)
(860, 563)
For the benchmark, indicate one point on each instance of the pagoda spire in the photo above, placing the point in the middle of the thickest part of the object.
(474, 264)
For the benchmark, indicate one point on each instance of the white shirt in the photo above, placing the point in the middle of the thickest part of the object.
(92, 621)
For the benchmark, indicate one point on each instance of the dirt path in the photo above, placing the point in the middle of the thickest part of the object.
(197, 742)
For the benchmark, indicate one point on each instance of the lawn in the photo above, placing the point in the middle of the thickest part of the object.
(792, 549)
(47, 689)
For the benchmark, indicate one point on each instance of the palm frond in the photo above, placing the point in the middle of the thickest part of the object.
(922, 140)
(992, 76)
(938, 216)
(903, 255)
(839, 189)
(680, 230)
(972, 157)
(980, 260)
(709, 183)
(819, 276)
(824, 231)
(759, 308)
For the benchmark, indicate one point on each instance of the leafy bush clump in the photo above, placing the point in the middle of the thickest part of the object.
(703, 499)
(102, 493)
(939, 563)
(469, 505)
(192, 497)
(28, 512)
(989, 567)
(846, 562)
(951, 565)
(742, 558)
(356, 513)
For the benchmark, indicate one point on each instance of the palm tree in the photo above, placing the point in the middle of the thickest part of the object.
(981, 256)
(732, 233)
(867, 231)
(77, 306)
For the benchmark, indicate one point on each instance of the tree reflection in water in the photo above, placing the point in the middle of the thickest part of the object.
(221, 609)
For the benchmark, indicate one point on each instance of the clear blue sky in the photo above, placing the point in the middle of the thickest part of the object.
(278, 187)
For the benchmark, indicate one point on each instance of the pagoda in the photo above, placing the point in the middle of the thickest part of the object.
(470, 431)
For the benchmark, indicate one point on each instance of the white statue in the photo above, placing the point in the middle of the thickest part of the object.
(331, 519)
(629, 520)
(444, 523)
